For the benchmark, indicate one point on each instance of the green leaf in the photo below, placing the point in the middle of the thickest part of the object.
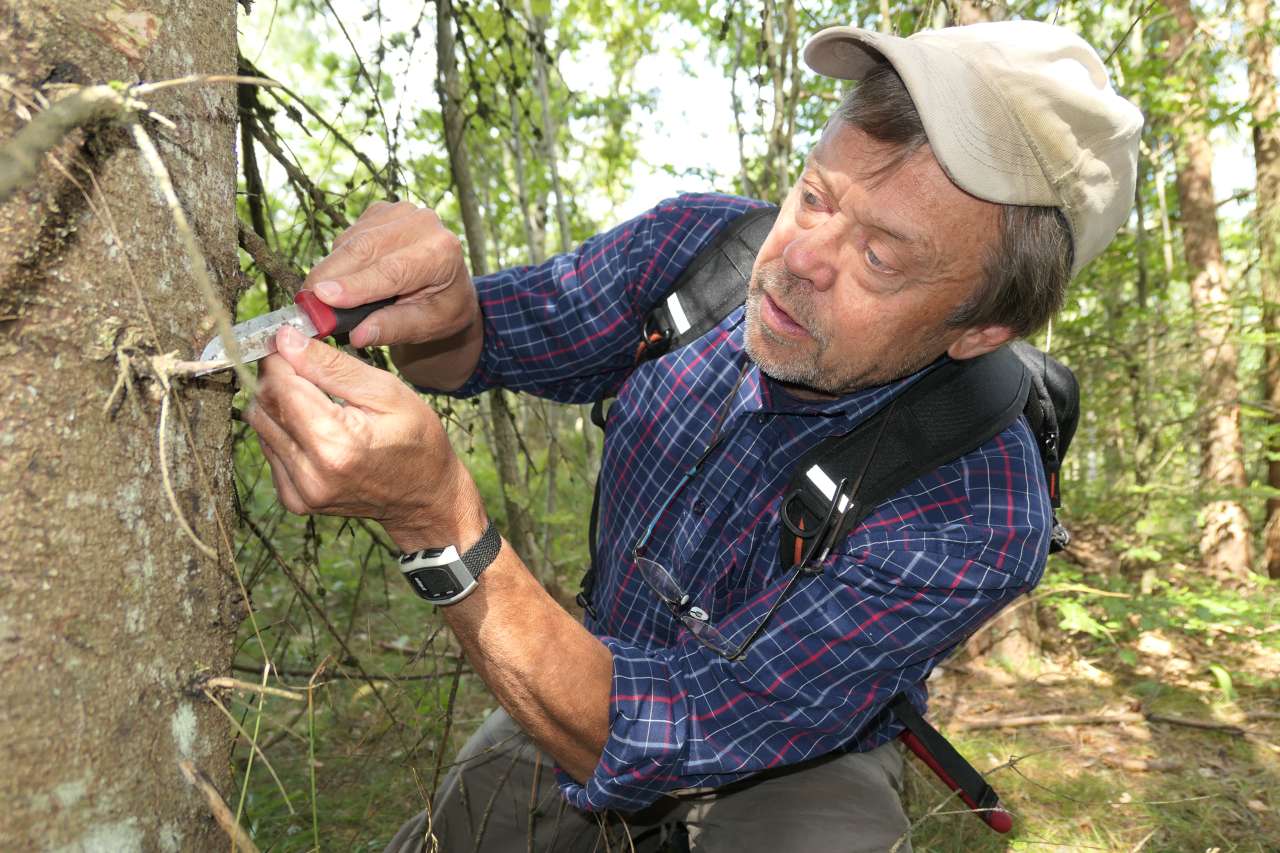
(1225, 683)
(1075, 619)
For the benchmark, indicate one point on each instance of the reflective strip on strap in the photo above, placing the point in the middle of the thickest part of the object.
(826, 485)
(677, 314)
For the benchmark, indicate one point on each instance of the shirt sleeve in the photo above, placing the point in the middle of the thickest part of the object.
(568, 329)
(911, 583)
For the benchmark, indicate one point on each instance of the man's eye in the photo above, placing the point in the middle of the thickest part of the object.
(810, 199)
(873, 261)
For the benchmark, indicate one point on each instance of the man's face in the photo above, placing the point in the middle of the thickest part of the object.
(853, 286)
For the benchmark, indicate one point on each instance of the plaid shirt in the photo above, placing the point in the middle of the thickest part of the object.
(909, 584)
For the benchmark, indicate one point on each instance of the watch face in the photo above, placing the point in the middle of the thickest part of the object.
(434, 583)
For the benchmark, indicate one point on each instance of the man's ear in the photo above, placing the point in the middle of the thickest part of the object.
(979, 340)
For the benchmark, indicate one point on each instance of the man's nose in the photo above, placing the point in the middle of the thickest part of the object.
(812, 255)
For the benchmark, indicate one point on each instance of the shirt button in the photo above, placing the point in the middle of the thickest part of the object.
(762, 418)
(699, 506)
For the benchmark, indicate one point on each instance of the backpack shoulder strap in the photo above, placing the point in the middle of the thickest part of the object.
(711, 286)
(956, 407)
(709, 289)
(1053, 409)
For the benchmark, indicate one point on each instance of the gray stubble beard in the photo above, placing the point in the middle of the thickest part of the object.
(805, 369)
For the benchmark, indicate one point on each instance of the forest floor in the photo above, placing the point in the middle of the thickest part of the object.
(1174, 644)
(1188, 649)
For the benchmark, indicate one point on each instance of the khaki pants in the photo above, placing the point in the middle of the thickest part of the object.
(501, 797)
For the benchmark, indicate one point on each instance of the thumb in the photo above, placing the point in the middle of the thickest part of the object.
(338, 374)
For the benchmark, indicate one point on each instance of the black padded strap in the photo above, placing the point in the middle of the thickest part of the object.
(708, 290)
(956, 407)
(713, 285)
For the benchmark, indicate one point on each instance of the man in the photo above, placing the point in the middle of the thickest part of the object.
(969, 173)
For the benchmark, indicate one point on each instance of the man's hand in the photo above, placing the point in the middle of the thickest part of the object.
(398, 250)
(382, 455)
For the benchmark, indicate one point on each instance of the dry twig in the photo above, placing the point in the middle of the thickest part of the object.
(236, 684)
(235, 724)
(195, 258)
(167, 482)
(268, 261)
(21, 156)
(218, 807)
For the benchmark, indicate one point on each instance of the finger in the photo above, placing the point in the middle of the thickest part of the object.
(286, 491)
(430, 317)
(332, 371)
(376, 214)
(364, 248)
(271, 436)
(298, 408)
(415, 273)
(392, 226)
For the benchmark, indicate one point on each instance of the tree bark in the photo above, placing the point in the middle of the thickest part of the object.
(1225, 530)
(108, 612)
(1259, 46)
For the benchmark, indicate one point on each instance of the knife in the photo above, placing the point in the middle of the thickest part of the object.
(307, 314)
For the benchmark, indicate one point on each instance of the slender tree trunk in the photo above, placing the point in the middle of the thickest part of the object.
(1014, 635)
(519, 531)
(534, 237)
(747, 188)
(780, 56)
(548, 145)
(1225, 529)
(976, 11)
(1260, 44)
(108, 612)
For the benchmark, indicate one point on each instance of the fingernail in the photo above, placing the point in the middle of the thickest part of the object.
(327, 290)
(370, 336)
(290, 339)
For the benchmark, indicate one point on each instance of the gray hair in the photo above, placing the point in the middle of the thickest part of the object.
(1026, 272)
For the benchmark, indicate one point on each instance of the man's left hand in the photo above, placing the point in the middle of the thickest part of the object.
(381, 454)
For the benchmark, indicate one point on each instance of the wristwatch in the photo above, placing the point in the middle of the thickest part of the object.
(442, 577)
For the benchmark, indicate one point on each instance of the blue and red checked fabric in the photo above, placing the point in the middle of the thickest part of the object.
(907, 586)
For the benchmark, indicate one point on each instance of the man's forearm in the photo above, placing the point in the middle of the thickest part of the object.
(445, 364)
(550, 674)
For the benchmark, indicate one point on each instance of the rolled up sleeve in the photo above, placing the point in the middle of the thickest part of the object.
(567, 329)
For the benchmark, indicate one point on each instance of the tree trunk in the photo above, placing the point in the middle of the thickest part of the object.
(1013, 636)
(549, 149)
(1225, 531)
(108, 613)
(1259, 46)
(781, 56)
(519, 531)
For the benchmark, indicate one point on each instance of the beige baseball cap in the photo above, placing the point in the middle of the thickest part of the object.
(1017, 112)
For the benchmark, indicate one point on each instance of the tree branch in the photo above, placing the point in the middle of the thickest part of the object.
(20, 157)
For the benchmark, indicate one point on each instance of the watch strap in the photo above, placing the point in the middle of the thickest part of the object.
(480, 555)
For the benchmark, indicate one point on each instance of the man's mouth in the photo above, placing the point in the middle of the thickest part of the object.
(778, 320)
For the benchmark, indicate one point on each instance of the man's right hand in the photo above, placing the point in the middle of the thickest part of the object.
(404, 251)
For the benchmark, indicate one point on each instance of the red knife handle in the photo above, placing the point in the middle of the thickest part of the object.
(335, 321)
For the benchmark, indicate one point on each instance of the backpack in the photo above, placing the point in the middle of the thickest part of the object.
(956, 407)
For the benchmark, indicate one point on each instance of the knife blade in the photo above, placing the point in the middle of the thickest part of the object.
(257, 337)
